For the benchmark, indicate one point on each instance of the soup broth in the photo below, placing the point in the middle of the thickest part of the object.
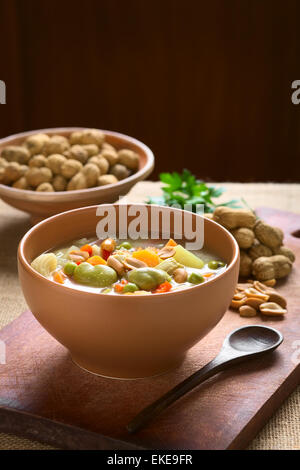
(128, 267)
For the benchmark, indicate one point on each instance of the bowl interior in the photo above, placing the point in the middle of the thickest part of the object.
(63, 228)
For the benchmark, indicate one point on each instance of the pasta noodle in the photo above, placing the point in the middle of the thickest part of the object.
(45, 264)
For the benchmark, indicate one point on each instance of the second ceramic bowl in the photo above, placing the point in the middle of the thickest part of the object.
(42, 205)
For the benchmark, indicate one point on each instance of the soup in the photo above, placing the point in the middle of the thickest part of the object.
(127, 267)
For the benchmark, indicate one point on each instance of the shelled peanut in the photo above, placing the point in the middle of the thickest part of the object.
(263, 255)
(59, 163)
(255, 297)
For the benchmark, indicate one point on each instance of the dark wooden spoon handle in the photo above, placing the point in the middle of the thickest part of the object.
(148, 413)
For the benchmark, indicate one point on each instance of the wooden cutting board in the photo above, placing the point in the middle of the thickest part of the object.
(46, 397)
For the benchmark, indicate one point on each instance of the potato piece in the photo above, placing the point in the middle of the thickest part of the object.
(129, 158)
(35, 143)
(45, 188)
(120, 171)
(91, 173)
(15, 153)
(107, 179)
(36, 176)
(187, 258)
(77, 182)
(37, 161)
(59, 183)
(57, 144)
(55, 163)
(78, 152)
(71, 168)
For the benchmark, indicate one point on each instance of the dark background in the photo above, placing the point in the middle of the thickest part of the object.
(206, 84)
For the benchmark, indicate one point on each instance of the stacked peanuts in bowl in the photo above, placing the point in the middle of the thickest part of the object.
(263, 260)
(50, 171)
(59, 163)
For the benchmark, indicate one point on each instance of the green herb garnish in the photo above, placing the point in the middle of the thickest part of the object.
(182, 189)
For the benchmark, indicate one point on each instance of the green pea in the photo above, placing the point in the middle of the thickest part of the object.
(195, 278)
(69, 268)
(95, 276)
(125, 245)
(216, 264)
(148, 278)
(130, 287)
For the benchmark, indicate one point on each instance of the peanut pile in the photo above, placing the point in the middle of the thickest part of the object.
(263, 259)
(58, 163)
(255, 297)
(263, 255)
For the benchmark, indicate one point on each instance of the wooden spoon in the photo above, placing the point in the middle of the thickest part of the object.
(240, 345)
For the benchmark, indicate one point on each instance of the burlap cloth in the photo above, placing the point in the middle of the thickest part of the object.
(283, 430)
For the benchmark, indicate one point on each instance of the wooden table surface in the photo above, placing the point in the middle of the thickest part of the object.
(283, 430)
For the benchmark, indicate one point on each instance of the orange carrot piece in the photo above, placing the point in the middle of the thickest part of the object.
(118, 287)
(164, 287)
(95, 260)
(148, 256)
(208, 274)
(87, 248)
(59, 277)
(171, 242)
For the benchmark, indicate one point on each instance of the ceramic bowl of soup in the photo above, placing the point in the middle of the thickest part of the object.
(126, 306)
(43, 203)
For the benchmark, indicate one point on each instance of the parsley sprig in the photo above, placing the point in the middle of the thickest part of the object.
(182, 189)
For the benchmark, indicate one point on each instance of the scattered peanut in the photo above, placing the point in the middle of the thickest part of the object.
(166, 252)
(116, 264)
(258, 298)
(247, 311)
(180, 275)
(109, 244)
(272, 308)
(238, 303)
(253, 293)
(270, 282)
(133, 263)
